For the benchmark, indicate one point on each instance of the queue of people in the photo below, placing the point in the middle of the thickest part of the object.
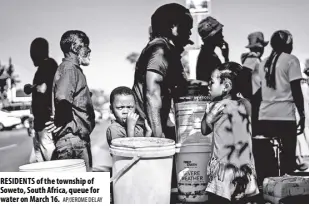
(257, 98)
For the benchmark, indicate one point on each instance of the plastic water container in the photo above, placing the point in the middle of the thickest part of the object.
(142, 170)
(191, 169)
(189, 114)
(68, 165)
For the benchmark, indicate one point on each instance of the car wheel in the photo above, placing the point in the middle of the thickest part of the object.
(1, 127)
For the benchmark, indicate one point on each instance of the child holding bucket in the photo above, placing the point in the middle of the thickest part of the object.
(231, 169)
(122, 105)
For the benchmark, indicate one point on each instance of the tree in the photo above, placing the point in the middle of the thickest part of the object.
(132, 57)
(10, 71)
(7, 72)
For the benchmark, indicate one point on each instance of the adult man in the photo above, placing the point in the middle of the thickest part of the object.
(210, 30)
(41, 99)
(250, 73)
(159, 74)
(74, 117)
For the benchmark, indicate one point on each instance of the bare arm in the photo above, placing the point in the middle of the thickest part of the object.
(154, 102)
(212, 114)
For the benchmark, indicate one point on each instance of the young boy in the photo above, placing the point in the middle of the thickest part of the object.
(123, 107)
(231, 169)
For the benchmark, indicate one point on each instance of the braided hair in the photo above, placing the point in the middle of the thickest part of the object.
(281, 42)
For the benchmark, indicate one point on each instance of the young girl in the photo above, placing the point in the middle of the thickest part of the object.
(231, 168)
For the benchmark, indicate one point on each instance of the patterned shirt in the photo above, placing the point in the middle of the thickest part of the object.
(232, 157)
(70, 89)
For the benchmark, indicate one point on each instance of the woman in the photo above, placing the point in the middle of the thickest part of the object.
(281, 91)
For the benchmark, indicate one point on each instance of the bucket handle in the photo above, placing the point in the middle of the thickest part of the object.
(125, 168)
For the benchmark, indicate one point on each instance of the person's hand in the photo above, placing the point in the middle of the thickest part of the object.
(148, 129)
(132, 119)
(301, 125)
(41, 88)
(51, 127)
(214, 112)
(225, 50)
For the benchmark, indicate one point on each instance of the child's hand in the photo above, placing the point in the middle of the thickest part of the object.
(148, 129)
(215, 112)
(132, 119)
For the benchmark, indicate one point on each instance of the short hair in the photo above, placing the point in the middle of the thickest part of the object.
(231, 71)
(120, 91)
(165, 17)
(39, 50)
(70, 38)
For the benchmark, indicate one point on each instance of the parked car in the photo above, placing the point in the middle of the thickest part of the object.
(19, 110)
(8, 121)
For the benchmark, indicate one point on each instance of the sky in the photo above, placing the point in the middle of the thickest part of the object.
(118, 27)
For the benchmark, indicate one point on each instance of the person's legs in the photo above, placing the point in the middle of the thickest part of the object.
(72, 147)
(47, 145)
(288, 137)
(263, 152)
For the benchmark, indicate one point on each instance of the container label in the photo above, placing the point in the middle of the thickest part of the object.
(189, 116)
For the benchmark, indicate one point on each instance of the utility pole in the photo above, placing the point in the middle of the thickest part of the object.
(199, 9)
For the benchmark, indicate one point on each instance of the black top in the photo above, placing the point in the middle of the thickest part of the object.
(162, 57)
(207, 62)
(41, 102)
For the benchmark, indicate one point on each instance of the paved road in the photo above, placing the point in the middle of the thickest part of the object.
(15, 149)
(16, 146)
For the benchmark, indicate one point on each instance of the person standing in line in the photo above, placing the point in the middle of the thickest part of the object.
(159, 74)
(41, 106)
(74, 117)
(122, 105)
(231, 169)
(211, 32)
(281, 91)
(250, 73)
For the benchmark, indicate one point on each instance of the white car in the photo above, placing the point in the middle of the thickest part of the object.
(8, 121)
(19, 110)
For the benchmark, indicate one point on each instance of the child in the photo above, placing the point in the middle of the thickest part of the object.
(123, 107)
(231, 168)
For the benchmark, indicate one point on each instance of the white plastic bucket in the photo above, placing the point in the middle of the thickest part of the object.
(189, 115)
(69, 165)
(191, 169)
(142, 170)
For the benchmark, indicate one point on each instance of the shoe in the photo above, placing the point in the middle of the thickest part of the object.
(302, 167)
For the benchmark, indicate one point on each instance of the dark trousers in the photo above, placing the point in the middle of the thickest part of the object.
(255, 106)
(286, 131)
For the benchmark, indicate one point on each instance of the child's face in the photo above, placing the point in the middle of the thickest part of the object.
(215, 86)
(121, 106)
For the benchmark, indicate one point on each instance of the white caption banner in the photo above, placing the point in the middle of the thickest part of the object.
(58, 188)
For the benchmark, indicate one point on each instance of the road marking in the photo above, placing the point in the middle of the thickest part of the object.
(8, 147)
